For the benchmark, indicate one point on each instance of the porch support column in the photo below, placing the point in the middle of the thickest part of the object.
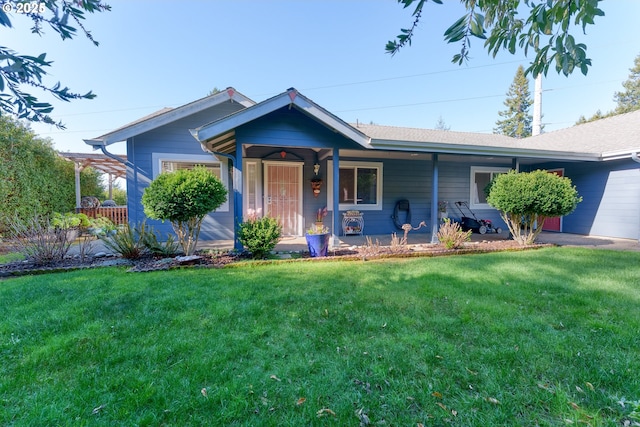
(434, 200)
(335, 240)
(515, 164)
(78, 169)
(237, 196)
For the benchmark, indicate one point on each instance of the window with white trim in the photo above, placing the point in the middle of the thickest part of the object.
(171, 162)
(481, 176)
(360, 185)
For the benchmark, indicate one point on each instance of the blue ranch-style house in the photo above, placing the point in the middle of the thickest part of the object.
(288, 157)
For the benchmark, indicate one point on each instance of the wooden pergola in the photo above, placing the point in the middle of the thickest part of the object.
(105, 164)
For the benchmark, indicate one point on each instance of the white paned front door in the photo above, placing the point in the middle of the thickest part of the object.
(283, 195)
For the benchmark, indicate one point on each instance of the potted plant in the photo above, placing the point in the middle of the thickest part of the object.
(318, 236)
(320, 214)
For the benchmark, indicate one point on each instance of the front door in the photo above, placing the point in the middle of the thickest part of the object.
(283, 195)
(555, 223)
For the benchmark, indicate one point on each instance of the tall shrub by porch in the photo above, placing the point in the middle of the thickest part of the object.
(526, 199)
(184, 197)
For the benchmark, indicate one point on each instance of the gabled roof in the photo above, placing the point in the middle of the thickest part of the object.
(216, 131)
(168, 115)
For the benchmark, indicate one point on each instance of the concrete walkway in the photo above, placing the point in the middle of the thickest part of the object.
(299, 244)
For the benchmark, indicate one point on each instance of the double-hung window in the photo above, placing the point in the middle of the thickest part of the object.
(171, 162)
(481, 176)
(360, 185)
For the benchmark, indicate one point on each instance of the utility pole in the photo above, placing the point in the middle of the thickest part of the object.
(536, 127)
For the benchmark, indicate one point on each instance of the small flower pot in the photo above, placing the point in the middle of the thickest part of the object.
(318, 244)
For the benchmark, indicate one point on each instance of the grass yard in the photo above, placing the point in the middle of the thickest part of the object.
(545, 337)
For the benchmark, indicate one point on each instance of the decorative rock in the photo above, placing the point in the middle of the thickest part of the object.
(114, 262)
(100, 255)
(188, 260)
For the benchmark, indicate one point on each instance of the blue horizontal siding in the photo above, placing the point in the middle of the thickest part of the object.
(174, 138)
(611, 198)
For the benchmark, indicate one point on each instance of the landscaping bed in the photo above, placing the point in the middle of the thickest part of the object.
(219, 259)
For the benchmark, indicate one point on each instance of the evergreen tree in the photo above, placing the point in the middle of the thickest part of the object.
(629, 100)
(516, 120)
(442, 125)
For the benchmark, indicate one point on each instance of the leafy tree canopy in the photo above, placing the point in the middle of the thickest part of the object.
(545, 28)
(517, 119)
(19, 72)
(34, 180)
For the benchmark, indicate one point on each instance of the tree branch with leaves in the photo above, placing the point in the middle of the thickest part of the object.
(546, 29)
(21, 73)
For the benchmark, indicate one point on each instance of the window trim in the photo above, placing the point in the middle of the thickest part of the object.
(472, 183)
(354, 206)
(158, 158)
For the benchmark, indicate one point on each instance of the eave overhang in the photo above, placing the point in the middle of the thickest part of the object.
(168, 116)
(481, 150)
(619, 155)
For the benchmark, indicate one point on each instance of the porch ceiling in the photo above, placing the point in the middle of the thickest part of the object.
(224, 143)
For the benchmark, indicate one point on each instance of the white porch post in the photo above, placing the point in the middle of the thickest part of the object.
(434, 200)
(78, 169)
(335, 240)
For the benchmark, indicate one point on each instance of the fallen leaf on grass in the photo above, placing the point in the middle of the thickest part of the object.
(301, 401)
(324, 412)
(273, 377)
(204, 391)
(493, 400)
(436, 394)
(471, 372)
(588, 384)
(574, 405)
(364, 419)
(442, 406)
(98, 409)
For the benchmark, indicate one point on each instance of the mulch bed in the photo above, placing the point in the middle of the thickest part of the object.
(217, 259)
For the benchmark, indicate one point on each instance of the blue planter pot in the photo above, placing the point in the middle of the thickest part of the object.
(318, 244)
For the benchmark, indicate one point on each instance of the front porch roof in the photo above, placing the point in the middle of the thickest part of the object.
(168, 115)
(219, 136)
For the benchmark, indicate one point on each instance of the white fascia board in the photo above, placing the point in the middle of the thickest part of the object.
(617, 155)
(482, 150)
(171, 116)
(332, 122)
(212, 130)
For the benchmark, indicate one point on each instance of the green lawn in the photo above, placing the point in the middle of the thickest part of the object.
(544, 337)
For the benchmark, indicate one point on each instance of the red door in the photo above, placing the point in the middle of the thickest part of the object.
(555, 223)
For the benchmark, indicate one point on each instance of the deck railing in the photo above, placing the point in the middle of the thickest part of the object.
(118, 215)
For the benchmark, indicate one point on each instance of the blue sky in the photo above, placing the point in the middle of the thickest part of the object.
(156, 54)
